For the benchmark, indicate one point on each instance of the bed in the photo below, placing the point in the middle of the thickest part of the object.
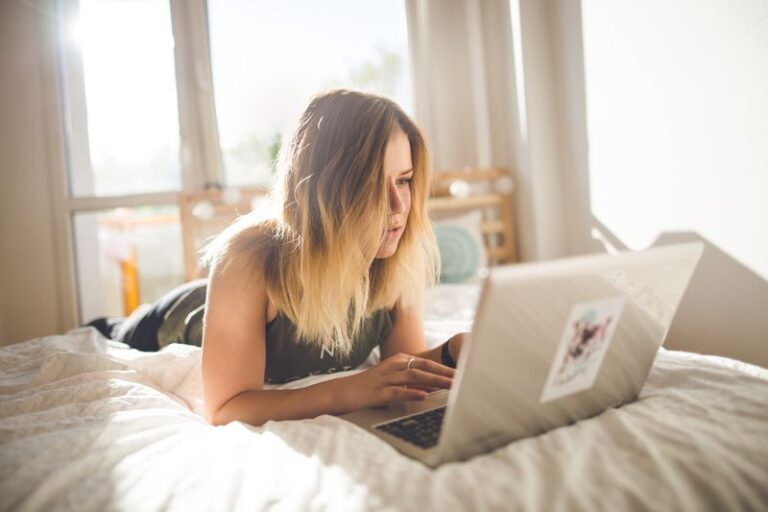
(88, 423)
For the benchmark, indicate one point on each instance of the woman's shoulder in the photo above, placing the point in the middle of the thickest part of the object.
(241, 261)
(246, 243)
(251, 231)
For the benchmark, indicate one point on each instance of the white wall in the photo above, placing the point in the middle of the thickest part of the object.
(660, 123)
(28, 279)
(677, 100)
(677, 121)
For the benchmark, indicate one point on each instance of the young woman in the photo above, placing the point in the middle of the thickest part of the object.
(338, 266)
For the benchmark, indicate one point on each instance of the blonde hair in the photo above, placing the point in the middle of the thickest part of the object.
(330, 208)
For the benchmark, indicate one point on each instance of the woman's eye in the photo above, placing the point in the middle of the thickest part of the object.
(403, 181)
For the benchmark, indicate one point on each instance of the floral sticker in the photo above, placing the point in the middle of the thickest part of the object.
(582, 347)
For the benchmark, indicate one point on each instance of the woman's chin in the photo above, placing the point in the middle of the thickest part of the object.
(386, 251)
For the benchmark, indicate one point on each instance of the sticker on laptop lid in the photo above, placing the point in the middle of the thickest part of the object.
(583, 345)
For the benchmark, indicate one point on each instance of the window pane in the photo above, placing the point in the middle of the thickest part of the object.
(268, 58)
(120, 94)
(125, 257)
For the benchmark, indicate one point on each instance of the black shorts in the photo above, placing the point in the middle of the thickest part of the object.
(139, 330)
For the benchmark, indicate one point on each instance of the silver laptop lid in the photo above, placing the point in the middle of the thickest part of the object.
(559, 341)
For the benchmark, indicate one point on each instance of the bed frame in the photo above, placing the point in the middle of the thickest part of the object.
(489, 190)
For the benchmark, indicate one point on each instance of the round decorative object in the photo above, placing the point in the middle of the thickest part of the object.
(231, 195)
(459, 253)
(460, 189)
(203, 210)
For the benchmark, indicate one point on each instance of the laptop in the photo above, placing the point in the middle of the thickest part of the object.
(552, 343)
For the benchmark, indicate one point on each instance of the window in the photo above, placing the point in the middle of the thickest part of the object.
(164, 96)
(125, 256)
(269, 57)
(124, 129)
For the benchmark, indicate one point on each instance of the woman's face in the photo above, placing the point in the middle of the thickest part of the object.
(398, 170)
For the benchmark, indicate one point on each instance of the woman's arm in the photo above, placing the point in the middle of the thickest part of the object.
(234, 328)
(394, 379)
(407, 336)
(454, 349)
(234, 352)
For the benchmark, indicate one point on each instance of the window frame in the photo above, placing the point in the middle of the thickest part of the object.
(199, 157)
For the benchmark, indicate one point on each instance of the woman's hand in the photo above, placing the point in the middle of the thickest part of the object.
(402, 377)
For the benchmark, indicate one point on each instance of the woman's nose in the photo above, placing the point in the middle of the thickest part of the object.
(396, 203)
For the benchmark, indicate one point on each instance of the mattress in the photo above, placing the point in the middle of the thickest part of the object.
(88, 423)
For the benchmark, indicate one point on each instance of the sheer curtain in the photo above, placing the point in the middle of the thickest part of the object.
(485, 75)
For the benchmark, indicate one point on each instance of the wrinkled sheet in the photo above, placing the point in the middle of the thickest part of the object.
(90, 424)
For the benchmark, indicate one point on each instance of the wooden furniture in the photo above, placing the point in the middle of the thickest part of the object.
(491, 191)
(205, 214)
(127, 259)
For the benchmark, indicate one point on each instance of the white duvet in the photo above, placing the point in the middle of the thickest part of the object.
(90, 424)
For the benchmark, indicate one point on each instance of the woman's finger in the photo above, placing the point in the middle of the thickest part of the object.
(428, 365)
(428, 389)
(404, 394)
(415, 376)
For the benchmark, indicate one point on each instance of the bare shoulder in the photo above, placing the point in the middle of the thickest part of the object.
(240, 263)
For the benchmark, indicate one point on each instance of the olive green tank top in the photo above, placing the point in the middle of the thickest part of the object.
(287, 358)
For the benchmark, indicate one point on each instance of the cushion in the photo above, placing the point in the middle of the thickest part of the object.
(462, 251)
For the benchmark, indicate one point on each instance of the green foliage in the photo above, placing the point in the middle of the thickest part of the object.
(379, 74)
(273, 145)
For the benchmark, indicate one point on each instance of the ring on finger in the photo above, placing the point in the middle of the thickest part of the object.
(410, 363)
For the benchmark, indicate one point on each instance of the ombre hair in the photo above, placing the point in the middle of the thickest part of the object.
(328, 215)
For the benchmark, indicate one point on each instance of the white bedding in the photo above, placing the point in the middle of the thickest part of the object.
(90, 424)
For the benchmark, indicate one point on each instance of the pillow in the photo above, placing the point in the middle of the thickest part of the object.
(462, 251)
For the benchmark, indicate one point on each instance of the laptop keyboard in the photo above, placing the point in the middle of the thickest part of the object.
(421, 429)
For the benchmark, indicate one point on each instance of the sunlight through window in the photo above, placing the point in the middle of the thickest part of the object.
(123, 111)
(268, 58)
